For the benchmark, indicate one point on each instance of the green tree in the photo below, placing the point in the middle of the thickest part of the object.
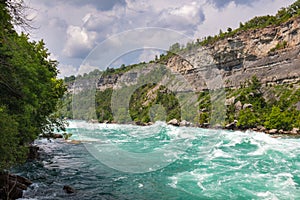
(29, 88)
(279, 119)
(247, 119)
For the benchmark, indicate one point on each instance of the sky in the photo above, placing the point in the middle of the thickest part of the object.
(131, 31)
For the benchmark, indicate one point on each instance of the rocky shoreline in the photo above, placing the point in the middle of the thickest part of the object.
(12, 186)
(231, 126)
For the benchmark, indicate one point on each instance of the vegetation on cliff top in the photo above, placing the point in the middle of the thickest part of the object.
(259, 22)
(29, 88)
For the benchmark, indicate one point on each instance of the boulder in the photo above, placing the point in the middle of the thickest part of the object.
(218, 126)
(149, 123)
(203, 110)
(238, 106)
(281, 131)
(68, 189)
(247, 105)
(251, 94)
(230, 101)
(273, 131)
(139, 123)
(261, 128)
(93, 121)
(295, 131)
(205, 125)
(33, 152)
(184, 123)
(232, 125)
(15, 184)
(298, 106)
(57, 136)
(174, 122)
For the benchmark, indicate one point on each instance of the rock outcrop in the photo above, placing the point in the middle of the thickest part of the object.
(246, 54)
(233, 60)
(12, 186)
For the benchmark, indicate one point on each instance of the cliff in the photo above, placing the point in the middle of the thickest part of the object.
(271, 53)
(259, 70)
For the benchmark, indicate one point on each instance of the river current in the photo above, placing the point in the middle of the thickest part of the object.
(164, 162)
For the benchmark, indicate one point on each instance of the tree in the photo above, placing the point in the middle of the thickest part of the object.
(279, 119)
(175, 48)
(241, 25)
(247, 119)
(29, 88)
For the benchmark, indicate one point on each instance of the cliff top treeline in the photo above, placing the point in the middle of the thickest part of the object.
(29, 88)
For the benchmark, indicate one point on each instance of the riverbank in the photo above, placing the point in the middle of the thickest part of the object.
(231, 126)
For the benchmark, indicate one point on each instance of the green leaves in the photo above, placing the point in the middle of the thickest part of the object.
(29, 91)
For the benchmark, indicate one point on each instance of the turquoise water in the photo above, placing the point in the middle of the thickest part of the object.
(165, 162)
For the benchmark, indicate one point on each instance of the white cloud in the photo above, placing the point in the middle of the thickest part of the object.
(233, 13)
(72, 28)
(86, 68)
(148, 54)
(66, 70)
(80, 41)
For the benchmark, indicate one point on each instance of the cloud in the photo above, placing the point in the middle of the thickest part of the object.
(86, 68)
(71, 28)
(98, 4)
(224, 3)
(184, 18)
(231, 15)
(80, 41)
(149, 54)
(66, 70)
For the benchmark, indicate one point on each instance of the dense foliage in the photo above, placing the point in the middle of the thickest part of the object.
(274, 107)
(141, 104)
(29, 90)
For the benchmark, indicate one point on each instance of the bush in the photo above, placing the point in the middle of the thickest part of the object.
(247, 119)
(278, 119)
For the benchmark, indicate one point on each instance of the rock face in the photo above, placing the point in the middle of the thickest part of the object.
(13, 183)
(248, 53)
(228, 62)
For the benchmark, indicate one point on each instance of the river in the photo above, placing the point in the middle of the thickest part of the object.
(164, 162)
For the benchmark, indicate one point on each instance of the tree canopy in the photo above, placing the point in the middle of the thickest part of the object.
(29, 88)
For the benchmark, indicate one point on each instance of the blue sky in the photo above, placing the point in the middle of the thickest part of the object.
(72, 28)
